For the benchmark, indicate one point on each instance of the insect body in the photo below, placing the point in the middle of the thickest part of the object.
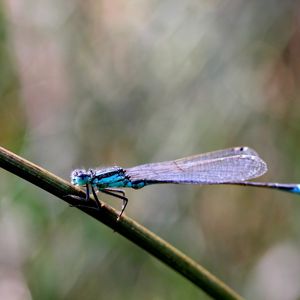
(230, 166)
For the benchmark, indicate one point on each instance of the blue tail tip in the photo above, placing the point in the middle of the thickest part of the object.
(296, 189)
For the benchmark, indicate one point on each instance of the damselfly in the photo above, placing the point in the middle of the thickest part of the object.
(228, 166)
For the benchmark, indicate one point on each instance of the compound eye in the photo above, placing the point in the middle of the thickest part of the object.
(78, 174)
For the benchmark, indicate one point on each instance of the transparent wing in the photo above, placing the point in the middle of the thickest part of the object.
(235, 164)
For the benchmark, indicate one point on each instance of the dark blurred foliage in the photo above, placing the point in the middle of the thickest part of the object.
(93, 83)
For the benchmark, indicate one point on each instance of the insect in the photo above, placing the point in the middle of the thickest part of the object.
(228, 166)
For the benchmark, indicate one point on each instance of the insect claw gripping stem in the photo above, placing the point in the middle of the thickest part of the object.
(86, 199)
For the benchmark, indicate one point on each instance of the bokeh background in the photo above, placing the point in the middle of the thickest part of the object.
(99, 83)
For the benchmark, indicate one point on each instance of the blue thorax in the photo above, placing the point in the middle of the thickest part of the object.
(112, 177)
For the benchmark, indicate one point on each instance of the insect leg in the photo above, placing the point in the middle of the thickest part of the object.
(95, 196)
(116, 191)
(113, 193)
(86, 199)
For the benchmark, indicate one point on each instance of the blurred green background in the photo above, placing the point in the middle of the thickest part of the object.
(98, 83)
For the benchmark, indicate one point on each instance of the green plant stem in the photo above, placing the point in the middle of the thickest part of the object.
(127, 227)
